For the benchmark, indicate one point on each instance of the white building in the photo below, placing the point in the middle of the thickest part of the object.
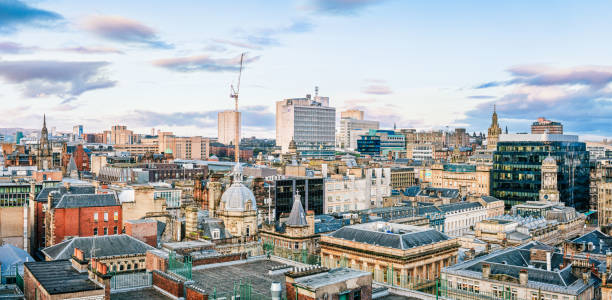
(351, 129)
(226, 126)
(379, 181)
(346, 194)
(459, 217)
(310, 122)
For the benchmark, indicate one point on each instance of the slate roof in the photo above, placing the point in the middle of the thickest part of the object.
(71, 165)
(107, 245)
(453, 207)
(328, 278)
(87, 200)
(602, 243)
(439, 192)
(412, 191)
(10, 257)
(208, 225)
(59, 277)
(297, 217)
(511, 260)
(75, 189)
(365, 233)
(489, 199)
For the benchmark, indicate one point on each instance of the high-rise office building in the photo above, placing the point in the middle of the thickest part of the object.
(226, 126)
(351, 129)
(191, 147)
(542, 125)
(77, 132)
(352, 114)
(310, 122)
(516, 176)
(119, 134)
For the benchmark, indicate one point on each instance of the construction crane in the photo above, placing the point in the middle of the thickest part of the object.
(234, 94)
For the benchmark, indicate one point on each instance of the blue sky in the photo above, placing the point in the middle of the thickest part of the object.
(421, 64)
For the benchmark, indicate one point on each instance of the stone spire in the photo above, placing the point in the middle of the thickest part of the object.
(494, 132)
(297, 217)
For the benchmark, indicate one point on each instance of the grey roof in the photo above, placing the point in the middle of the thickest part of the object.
(602, 243)
(330, 277)
(511, 260)
(208, 225)
(87, 200)
(71, 165)
(297, 217)
(59, 277)
(439, 192)
(74, 189)
(402, 240)
(452, 207)
(107, 245)
(11, 257)
(489, 199)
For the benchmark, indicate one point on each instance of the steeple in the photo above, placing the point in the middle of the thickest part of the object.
(297, 217)
(44, 121)
(494, 118)
(494, 131)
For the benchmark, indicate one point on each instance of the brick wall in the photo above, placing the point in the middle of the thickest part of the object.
(194, 293)
(144, 231)
(219, 259)
(168, 283)
(155, 262)
(80, 221)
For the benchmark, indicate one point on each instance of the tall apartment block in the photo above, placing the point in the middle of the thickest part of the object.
(226, 126)
(310, 122)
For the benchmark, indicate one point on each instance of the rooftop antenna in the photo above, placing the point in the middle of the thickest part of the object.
(234, 94)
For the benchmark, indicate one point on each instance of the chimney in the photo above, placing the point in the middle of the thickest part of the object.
(548, 261)
(586, 276)
(523, 277)
(50, 200)
(604, 278)
(608, 261)
(275, 290)
(486, 271)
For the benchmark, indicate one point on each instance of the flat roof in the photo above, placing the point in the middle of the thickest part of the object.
(222, 278)
(330, 277)
(530, 137)
(59, 277)
(148, 293)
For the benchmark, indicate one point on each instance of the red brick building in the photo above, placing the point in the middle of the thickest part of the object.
(81, 158)
(81, 215)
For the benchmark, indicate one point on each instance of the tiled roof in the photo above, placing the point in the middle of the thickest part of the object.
(107, 245)
(391, 240)
(87, 200)
(75, 189)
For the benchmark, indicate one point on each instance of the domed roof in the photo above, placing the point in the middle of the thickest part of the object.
(236, 197)
(549, 161)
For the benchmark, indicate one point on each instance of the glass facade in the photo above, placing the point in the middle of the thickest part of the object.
(311, 194)
(173, 197)
(16, 194)
(369, 145)
(516, 172)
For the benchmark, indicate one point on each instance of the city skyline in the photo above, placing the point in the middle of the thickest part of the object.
(422, 66)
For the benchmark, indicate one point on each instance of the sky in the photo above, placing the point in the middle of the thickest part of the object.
(433, 64)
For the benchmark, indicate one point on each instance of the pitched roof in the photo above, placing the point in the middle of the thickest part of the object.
(59, 277)
(297, 217)
(405, 239)
(87, 200)
(107, 245)
(74, 189)
(11, 256)
(71, 165)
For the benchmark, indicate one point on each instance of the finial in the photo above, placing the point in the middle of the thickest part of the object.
(44, 120)
(494, 108)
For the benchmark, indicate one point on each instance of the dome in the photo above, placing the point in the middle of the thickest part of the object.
(549, 161)
(236, 197)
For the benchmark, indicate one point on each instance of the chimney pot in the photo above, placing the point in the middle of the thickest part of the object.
(523, 277)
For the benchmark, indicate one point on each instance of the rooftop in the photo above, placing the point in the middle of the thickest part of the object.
(529, 137)
(87, 200)
(107, 245)
(390, 235)
(59, 277)
(148, 293)
(330, 277)
(222, 278)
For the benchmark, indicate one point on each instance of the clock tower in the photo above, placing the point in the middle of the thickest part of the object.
(548, 190)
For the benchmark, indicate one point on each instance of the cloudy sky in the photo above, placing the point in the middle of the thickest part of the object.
(421, 64)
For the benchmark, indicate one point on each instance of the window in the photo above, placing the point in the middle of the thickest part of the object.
(216, 234)
(116, 216)
(105, 230)
(95, 231)
(95, 217)
(357, 295)
(105, 217)
(115, 230)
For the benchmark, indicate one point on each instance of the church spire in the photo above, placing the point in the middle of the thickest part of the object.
(44, 121)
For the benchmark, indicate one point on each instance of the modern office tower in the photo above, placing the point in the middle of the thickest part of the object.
(516, 175)
(389, 141)
(352, 114)
(18, 137)
(494, 132)
(226, 126)
(121, 135)
(311, 192)
(310, 122)
(542, 125)
(77, 132)
(351, 129)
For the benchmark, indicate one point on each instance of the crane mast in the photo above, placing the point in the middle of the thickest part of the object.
(235, 93)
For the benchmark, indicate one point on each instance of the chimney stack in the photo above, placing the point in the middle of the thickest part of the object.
(604, 278)
(523, 277)
(275, 290)
(608, 261)
(486, 271)
(548, 260)
(586, 276)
